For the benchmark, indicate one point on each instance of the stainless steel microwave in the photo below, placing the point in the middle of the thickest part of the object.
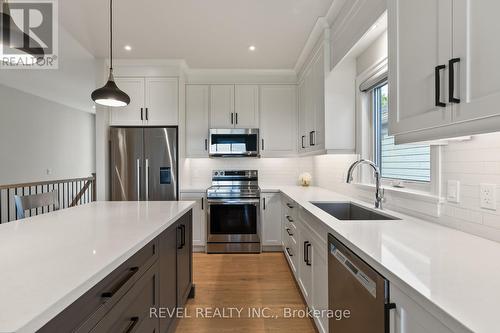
(234, 142)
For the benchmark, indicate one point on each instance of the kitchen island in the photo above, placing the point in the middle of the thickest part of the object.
(77, 266)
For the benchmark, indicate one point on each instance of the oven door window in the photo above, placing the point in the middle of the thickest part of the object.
(233, 219)
(233, 143)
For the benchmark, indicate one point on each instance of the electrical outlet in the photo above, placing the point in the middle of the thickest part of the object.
(488, 195)
(453, 192)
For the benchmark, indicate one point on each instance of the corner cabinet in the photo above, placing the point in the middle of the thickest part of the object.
(443, 71)
(278, 120)
(154, 101)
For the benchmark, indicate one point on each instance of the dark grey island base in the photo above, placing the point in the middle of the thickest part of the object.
(159, 276)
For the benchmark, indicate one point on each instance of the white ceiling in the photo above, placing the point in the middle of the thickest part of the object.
(206, 33)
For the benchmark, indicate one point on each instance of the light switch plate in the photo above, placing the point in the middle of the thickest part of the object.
(488, 196)
(453, 191)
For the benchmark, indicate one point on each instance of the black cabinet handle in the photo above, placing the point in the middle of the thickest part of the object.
(288, 232)
(263, 144)
(206, 144)
(303, 138)
(181, 238)
(133, 322)
(264, 203)
(437, 76)
(236, 118)
(142, 114)
(289, 205)
(130, 273)
(305, 251)
(387, 309)
(289, 218)
(289, 253)
(202, 203)
(308, 261)
(183, 229)
(451, 77)
(147, 114)
(311, 138)
(232, 118)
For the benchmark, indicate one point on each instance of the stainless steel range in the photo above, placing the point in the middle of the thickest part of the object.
(233, 223)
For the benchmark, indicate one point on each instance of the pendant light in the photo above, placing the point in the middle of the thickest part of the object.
(110, 94)
(9, 28)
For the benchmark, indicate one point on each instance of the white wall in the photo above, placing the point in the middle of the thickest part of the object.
(375, 53)
(37, 134)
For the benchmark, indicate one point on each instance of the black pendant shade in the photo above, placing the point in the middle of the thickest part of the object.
(110, 94)
(9, 28)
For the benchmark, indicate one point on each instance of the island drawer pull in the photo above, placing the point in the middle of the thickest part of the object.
(130, 273)
(132, 323)
(290, 206)
(289, 253)
(288, 232)
(289, 219)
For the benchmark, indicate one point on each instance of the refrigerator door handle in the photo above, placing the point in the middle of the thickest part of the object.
(138, 171)
(147, 179)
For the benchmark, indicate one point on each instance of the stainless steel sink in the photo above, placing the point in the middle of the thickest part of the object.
(349, 211)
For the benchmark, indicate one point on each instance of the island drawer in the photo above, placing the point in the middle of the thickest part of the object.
(131, 313)
(85, 312)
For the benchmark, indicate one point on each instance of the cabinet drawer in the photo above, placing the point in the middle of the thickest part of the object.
(85, 312)
(131, 313)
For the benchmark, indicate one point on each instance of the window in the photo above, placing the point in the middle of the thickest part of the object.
(402, 162)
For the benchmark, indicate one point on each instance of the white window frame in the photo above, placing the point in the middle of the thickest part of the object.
(365, 143)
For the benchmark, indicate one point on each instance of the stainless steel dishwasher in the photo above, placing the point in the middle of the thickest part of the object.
(357, 294)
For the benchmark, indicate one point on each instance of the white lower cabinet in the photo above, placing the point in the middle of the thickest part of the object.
(409, 317)
(199, 217)
(270, 212)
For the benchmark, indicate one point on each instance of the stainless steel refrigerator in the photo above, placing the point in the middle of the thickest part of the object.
(143, 163)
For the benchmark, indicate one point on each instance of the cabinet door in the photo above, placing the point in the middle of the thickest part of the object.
(162, 101)
(319, 262)
(184, 258)
(416, 47)
(278, 120)
(199, 217)
(130, 114)
(409, 317)
(302, 117)
(309, 109)
(222, 106)
(475, 42)
(305, 255)
(246, 106)
(271, 218)
(318, 72)
(197, 111)
(168, 274)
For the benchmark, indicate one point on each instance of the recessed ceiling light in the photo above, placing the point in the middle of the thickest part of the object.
(128, 48)
(252, 48)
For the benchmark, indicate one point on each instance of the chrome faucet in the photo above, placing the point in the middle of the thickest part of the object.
(379, 194)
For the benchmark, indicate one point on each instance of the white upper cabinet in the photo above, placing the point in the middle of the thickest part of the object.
(476, 29)
(278, 120)
(132, 113)
(162, 101)
(197, 113)
(444, 71)
(246, 110)
(419, 50)
(222, 106)
(302, 117)
(153, 102)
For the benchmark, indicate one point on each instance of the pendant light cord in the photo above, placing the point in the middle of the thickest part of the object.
(111, 33)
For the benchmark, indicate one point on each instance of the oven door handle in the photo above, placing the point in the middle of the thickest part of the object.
(233, 201)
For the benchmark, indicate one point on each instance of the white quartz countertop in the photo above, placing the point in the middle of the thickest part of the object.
(448, 272)
(49, 261)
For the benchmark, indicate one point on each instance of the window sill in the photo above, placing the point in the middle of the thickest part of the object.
(405, 193)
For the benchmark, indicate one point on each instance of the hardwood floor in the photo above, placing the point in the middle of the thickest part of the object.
(243, 282)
